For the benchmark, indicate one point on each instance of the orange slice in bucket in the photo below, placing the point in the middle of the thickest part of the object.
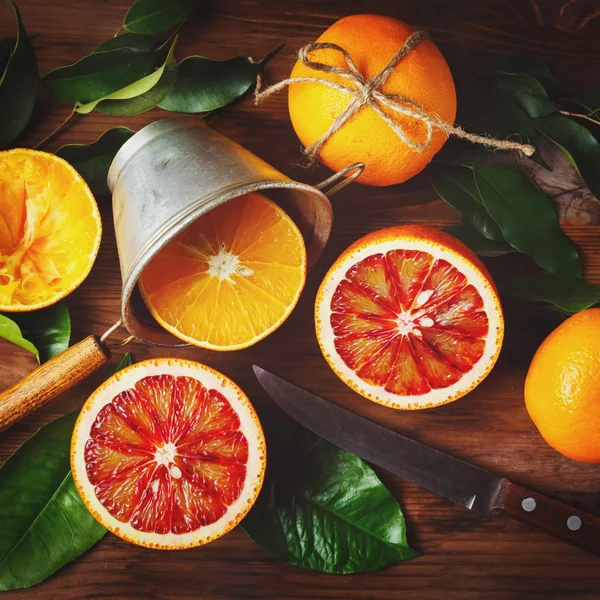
(50, 229)
(231, 278)
(168, 454)
(409, 317)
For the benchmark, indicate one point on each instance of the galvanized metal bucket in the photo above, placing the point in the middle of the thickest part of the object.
(174, 171)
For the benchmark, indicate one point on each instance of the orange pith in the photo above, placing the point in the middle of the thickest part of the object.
(422, 77)
(562, 388)
(168, 454)
(409, 317)
(50, 229)
(229, 279)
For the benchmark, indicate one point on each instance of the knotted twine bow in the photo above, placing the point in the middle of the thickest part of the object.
(367, 92)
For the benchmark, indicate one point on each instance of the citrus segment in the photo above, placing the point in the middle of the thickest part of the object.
(409, 317)
(168, 454)
(50, 229)
(229, 279)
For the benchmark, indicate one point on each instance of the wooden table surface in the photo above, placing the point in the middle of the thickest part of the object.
(465, 556)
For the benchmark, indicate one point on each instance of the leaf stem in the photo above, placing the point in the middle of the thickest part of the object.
(57, 130)
(118, 32)
(579, 116)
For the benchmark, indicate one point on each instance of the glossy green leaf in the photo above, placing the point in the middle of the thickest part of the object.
(527, 219)
(523, 64)
(479, 244)
(456, 185)
(203, 84)
(578, 145)
(323, 508)
(43, 520)
(99, 75)
(93, 161)
(154, 16)
(148, 92)
(10, 330)
(567, 294)
(495, 113)
(126, 361)
(128, 40)
(19, 81)
(121, 102)
(49, 329)
(461, 152)
(527, 92)
(44, 523)
(6, 48)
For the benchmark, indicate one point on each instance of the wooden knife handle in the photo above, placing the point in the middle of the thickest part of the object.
(51, 379)
(560, 520)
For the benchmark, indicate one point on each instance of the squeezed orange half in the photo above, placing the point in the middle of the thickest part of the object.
(229, 279)
(50, 229)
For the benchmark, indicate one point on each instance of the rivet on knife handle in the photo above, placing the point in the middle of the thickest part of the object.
(560, 520)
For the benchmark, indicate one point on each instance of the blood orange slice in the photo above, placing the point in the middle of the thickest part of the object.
(168, 454)
(409, 317)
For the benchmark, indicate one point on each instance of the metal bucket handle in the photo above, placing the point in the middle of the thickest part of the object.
(358, 168)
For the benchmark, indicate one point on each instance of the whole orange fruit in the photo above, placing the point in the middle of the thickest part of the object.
(422, 76)
(562, 389)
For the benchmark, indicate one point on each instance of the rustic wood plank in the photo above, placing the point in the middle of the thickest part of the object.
(465, 556)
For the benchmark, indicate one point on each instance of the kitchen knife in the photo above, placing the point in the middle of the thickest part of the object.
(454, 479)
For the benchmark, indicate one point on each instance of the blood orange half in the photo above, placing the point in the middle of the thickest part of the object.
(168, 454)
(409, 317)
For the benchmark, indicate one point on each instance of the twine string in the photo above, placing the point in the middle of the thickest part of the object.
(367, 92)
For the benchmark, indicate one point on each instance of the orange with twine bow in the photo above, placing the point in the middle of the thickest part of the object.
(416, 130)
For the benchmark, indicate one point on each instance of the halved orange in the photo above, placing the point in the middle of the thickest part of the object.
(229, 279)
(168, 454)
(409, 317)
(50, 229)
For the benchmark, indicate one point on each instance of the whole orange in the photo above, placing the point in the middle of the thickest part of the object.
(562, 389)
(422, 76)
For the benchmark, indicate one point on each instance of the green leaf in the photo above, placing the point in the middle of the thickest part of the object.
(99, 75)
(578, 145)
(479, 244)
(527, 219)
(154, 16)
(568, 294)
(527, 92)
(456, 185)
(524, 64)
(93, 161)
(6, 48)
(128, 40)
(19, 81)
(43, 520)
(122, 102)
(203, 84)
(495, 113)
(11, 331)
(126, 361)
(49, 329)
(44, 523)
(323, 508)
(148, 91)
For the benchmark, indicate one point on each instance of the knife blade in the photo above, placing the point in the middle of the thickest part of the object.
(448, 476)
